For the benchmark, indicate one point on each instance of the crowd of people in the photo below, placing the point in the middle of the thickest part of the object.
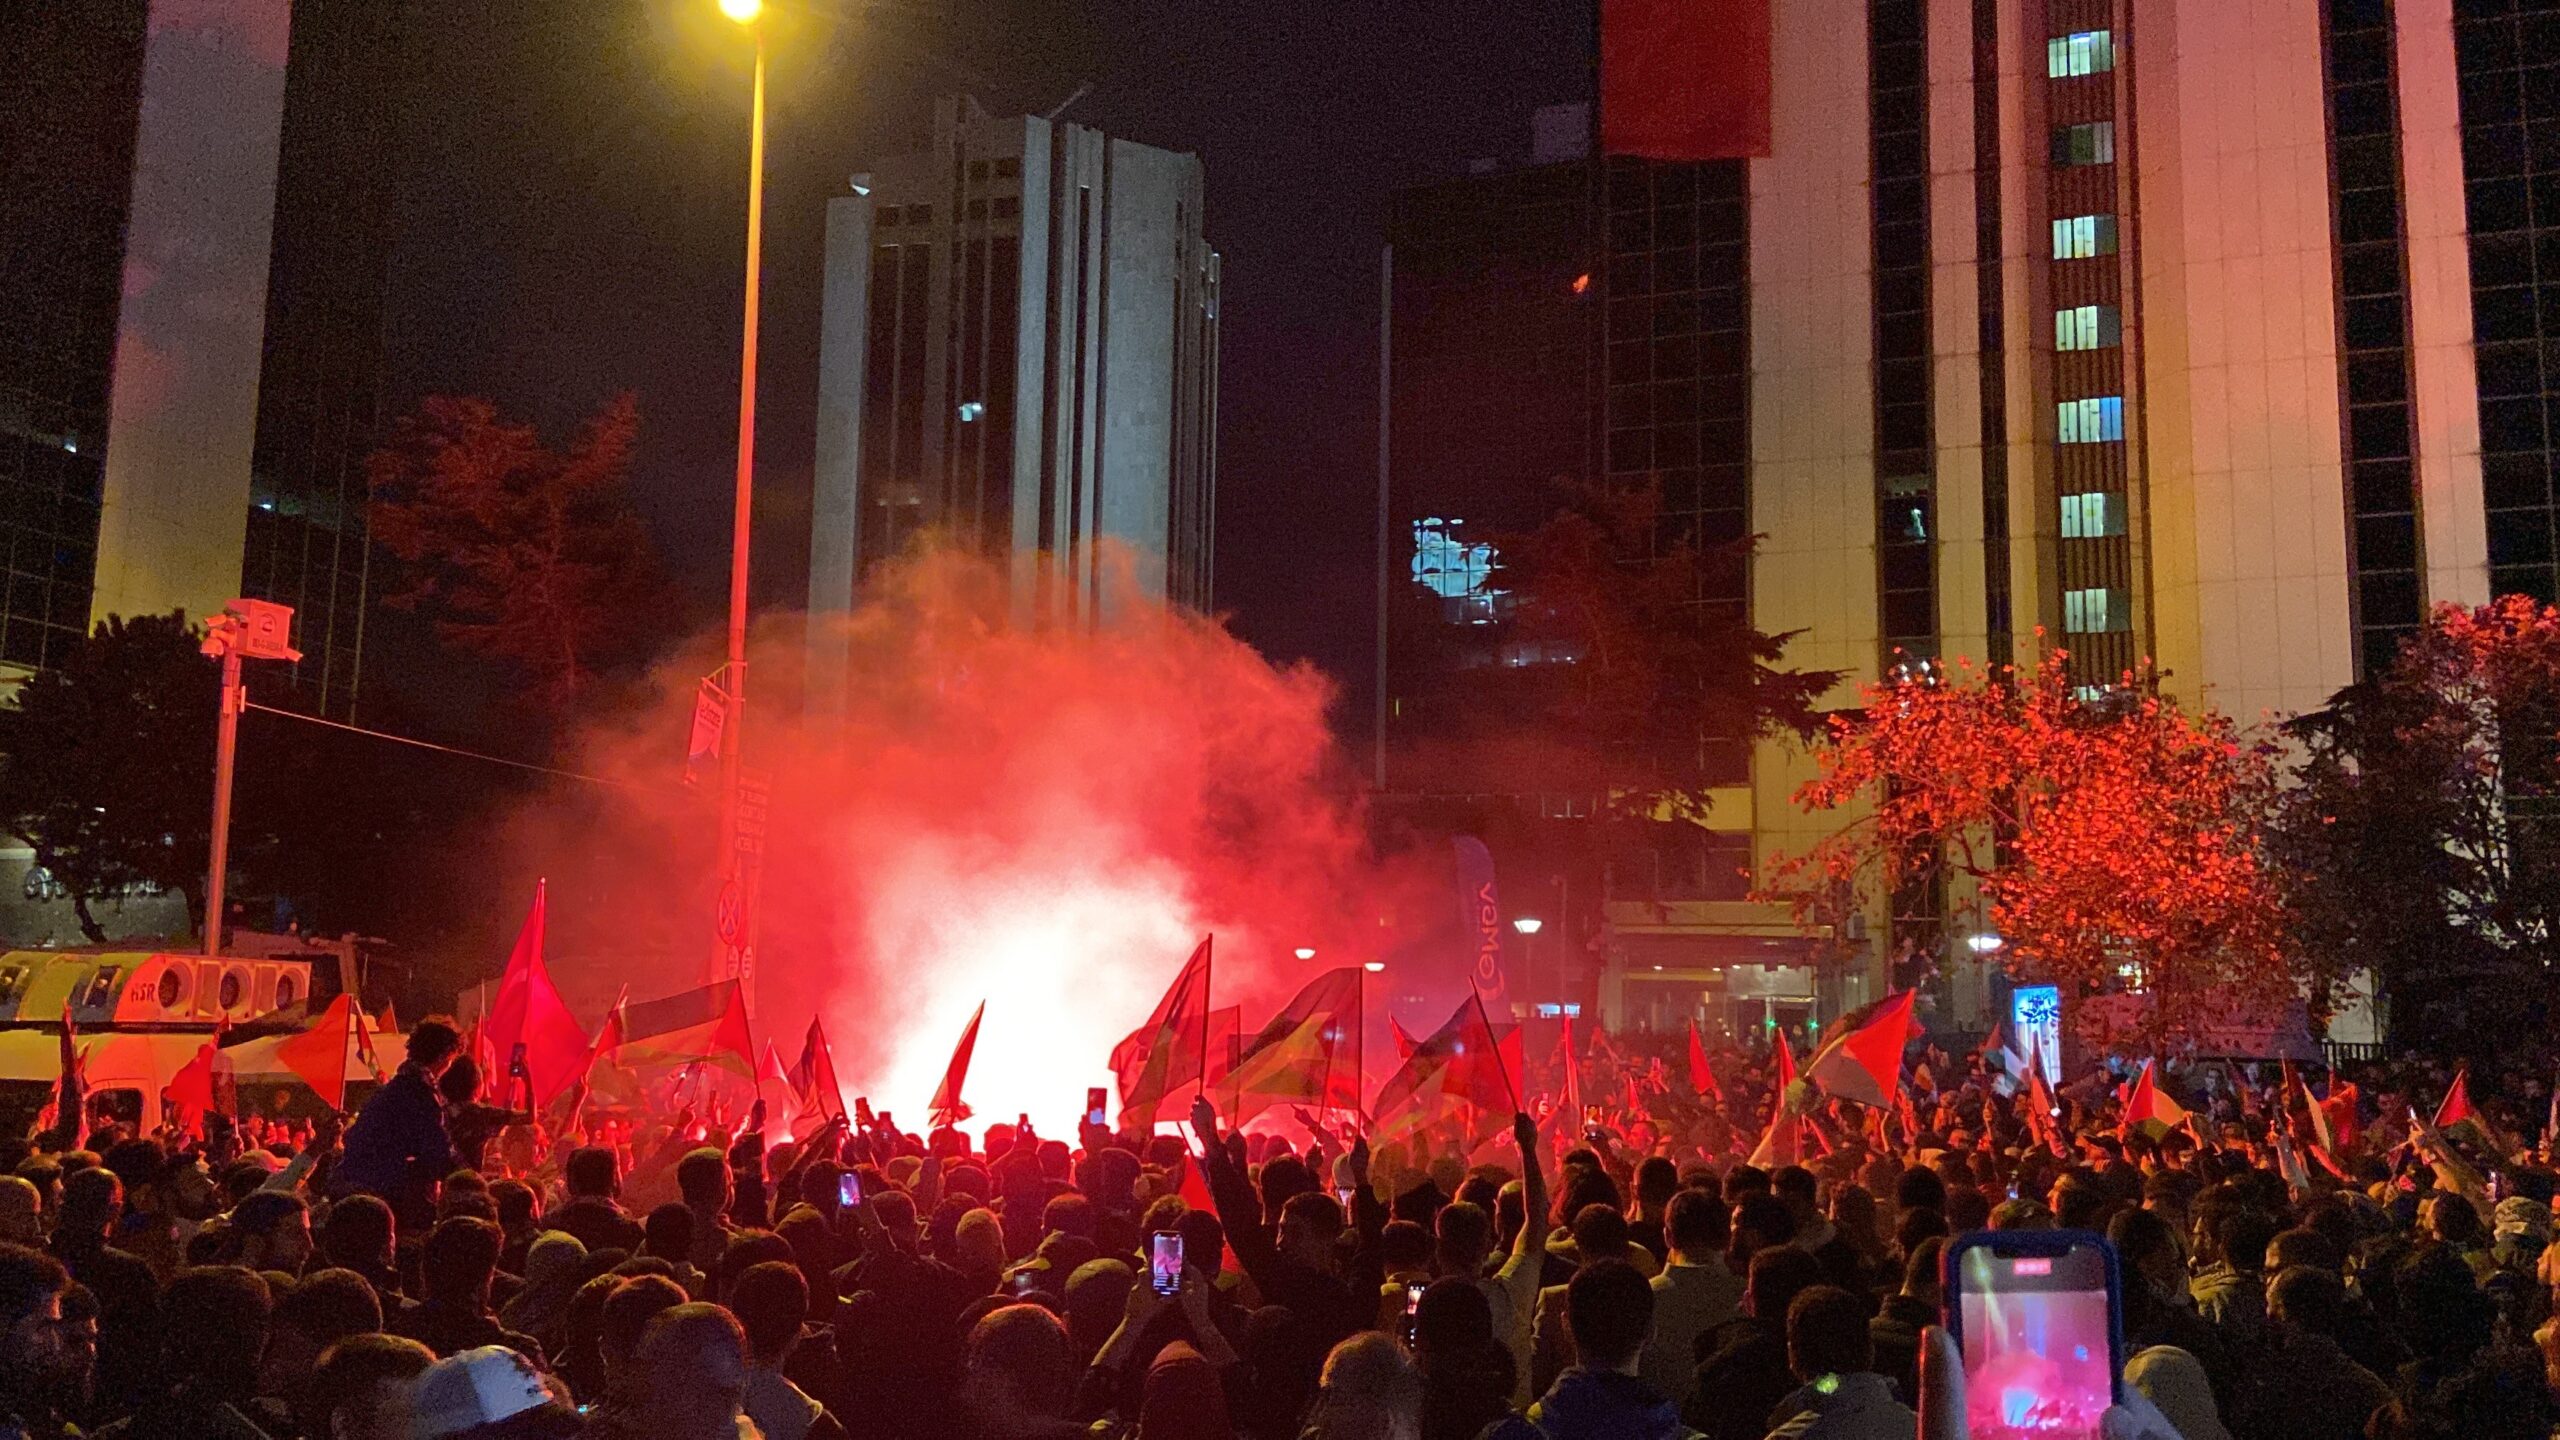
(438, 1268)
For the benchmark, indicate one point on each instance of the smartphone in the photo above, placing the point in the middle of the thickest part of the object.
(861, 1110)
(1164, 1261)
(1413, 1298)
(1025, 1281)
(516, 1069)
(1095, 1098)
(849, 1190)
(2038, 1316)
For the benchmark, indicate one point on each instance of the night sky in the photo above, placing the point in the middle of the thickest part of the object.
(575, 206)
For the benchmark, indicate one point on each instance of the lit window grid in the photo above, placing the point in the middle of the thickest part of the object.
(2081, 237)
(2087, 327)
(2083, 52)
(2094, 421)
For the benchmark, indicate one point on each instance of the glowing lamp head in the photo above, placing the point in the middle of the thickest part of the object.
(742, 11)
(1528, 924)
(1305, 952)
(1374, 967)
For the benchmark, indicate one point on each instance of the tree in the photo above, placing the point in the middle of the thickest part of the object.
(2116, 842)
(1584, 657)
(2420, 837)
(529, 556)
(106, 763)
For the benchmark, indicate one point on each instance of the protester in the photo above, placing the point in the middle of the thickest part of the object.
(398, 1148)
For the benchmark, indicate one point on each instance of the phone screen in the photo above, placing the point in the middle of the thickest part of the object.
(849, 1189)
(2037, 1328)
(1094, 1100)
(1164, 1261)
(1413, 1297)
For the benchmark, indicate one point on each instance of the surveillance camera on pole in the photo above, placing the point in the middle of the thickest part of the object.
(252, 630)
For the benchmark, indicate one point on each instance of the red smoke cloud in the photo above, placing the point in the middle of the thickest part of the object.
(1046, 818)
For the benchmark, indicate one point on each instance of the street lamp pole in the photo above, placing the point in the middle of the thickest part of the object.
(737, 904)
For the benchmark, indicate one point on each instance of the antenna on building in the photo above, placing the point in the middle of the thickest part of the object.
(1079, 93)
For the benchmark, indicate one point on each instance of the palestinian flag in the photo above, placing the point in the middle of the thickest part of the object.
(1310, 1052)
(1463, 1070)
(1783, 1142)
(1865, 1064)
(2456, 1105)
(707, 1025)
(1701, 1078)
(2148, 1108)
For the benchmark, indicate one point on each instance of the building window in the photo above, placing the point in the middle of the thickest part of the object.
(2094, 611)
(2082, 236)
(2083, 52)
(2093, 144)
(1459, 572)
(2092, 515)
(2088, 327)
(2090, 422)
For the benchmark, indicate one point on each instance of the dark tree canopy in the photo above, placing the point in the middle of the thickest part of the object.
(2422, 840)
(106, 763)
(1599, 667)
(529, 556)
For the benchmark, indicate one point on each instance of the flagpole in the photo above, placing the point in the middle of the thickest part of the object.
(1208, 997)
(1498, 1063)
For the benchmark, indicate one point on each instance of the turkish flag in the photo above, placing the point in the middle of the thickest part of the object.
(1684, 79)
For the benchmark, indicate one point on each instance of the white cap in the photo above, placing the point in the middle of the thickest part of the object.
(472, 1388)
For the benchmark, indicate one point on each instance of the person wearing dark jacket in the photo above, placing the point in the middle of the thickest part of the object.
(1742, 1365)
(398, 1147)
(1896, 1328)
(1608, 1313)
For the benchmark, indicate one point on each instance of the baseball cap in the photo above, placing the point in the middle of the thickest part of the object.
(471, 1388)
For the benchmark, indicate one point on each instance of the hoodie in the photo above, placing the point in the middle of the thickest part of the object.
(1597, 1405)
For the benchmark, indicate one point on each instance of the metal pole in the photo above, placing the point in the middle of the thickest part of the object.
(226, 747)
(734, 687)
(1386, 468)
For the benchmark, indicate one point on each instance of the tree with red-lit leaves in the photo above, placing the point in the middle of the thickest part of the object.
(2115, 841)
(527, 555)
(2422, 840)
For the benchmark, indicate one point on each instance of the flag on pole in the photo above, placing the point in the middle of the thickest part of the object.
(947, 1107)
(1404, 1040)
(528, 1011)
(706, 1025)
(2041, 1119)
(1572, 1079)
(1783, 1142)
(773, 1087)
(202, 1085)
(1171, 1049)
(2148, 1108)
(812, 1079)
(608, 1036)
(1226, 1044)
(1460, 1071)
(2456, 1105)
(389, 1024)
(319, 1055)
(1310, 1052)
(1701, 1078)
(2340, 1110)
(1865, 1063)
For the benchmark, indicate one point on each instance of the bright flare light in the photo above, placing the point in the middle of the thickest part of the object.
(742, 11)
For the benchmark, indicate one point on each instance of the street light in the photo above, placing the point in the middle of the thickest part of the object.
(737, 907)
(1305, 952)
(1374, 967)
(1528, 924)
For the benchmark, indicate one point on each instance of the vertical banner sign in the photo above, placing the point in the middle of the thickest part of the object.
(2035, 1021)
(739, 894)
(710, 718)
(1480, 920)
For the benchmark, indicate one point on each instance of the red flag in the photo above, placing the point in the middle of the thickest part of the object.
(1865, 1064)
(1226, 1043)
(1404, 1041)
(813, 1080)
(1462, 1064)
(389, 1024)
(1171, 1049)
(2040, 1102)
(2456, 1106)
(1572, 1077)
(1783, 1142)
(1702, 1079)
(319, 1054)
(528, 1011)
(201, 1085)
(2339, 1112)
(1310, 1052)
(608, 1035)
(947, 1108)
(1685, 79)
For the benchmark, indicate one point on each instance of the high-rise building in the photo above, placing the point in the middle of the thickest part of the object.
(1020, 349)
(2222, 335)
(197, 226)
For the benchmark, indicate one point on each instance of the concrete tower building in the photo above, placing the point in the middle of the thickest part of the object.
(1019, 347)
